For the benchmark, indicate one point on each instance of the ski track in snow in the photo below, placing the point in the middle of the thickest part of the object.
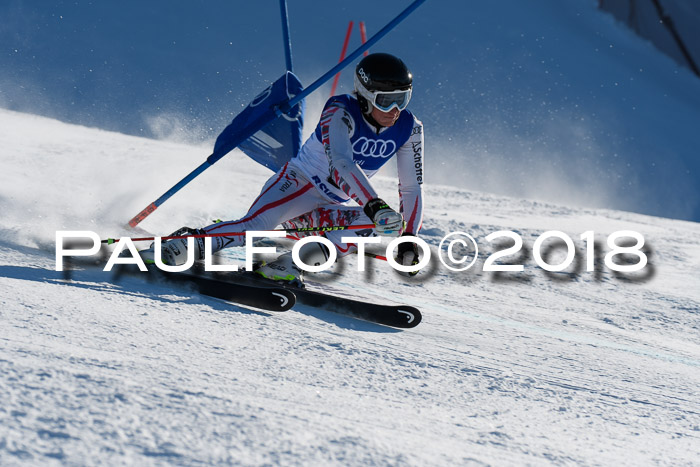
(521, 368)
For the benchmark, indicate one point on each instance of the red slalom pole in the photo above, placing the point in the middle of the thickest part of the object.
(342, 56)
(363, 35)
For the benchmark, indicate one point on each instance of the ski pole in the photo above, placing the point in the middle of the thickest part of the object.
(375, 256)
(329, 228)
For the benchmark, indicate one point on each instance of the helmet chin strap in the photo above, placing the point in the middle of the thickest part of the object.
(365, 106)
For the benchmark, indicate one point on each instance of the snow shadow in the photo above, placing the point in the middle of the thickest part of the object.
(343, 322)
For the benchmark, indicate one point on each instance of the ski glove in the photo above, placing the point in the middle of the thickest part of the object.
(407, 255)
(386, 220)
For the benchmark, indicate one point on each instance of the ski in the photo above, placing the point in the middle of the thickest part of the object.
(398, 316)
(248, 289)
(267, 297)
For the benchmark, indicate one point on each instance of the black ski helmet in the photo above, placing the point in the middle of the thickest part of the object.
(380, 72)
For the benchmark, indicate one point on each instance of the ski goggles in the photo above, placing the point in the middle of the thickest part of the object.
(385, 101)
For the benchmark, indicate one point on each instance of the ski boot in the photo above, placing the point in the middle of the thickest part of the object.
(174, 252)
(283, 269)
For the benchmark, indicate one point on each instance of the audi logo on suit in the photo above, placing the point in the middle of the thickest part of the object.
(373, 147)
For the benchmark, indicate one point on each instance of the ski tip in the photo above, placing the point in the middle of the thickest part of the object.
(410, 316)
(287, 299)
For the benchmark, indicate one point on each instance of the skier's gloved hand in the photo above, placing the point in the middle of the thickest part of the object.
(386, 220)
(407, 255)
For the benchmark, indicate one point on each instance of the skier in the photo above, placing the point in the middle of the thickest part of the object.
(356, 135)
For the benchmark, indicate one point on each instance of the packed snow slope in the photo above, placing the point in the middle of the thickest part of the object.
(550, 100)
(592, 368)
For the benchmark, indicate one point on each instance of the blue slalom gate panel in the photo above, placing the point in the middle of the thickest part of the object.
(276, 143)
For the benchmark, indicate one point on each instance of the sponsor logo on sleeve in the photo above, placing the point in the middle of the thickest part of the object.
(418, 161)
(289, 180)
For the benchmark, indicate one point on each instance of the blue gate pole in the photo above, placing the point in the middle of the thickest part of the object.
(286, 107)
(285, 35)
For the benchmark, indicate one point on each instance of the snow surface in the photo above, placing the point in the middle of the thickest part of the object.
(579, 367)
